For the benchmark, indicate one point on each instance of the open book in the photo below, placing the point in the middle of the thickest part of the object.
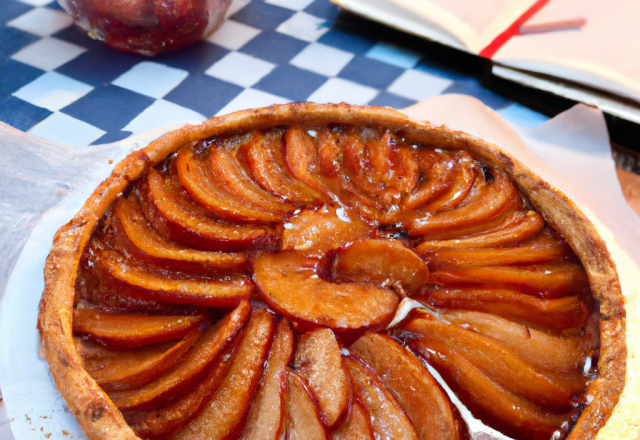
(597, 63)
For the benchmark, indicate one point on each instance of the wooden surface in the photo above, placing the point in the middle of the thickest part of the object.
(630, 184)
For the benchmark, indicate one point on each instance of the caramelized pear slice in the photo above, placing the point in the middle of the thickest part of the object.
(234, 178)
(303, 420)
(128, 330)
(190, 367)
(560, 354)
(387, 418)
(378, 184)
(356, 427)
(290, 284)
(123, 370)
(301, 156)
(437, 169)
(547, 280)
(377, 166)
(125, 279)
(406, 172)
(517, 227)
(554, 314)
(417, 392)
(222, 416)
(380, 157)
(382, 169)
(489, 201)
(166, 420)
(358, 166)
(394, 166)
(330, 156)
(137, 239)
(319, 363)
(501, 365)
(462, 182)
(381, 262)
(176, 217)
(324, 229)
(334, 175)
(496, 407)
(542, 248)
(265, 420)
(93, 287)
(263, 154)
(512, 209)
(210, 192)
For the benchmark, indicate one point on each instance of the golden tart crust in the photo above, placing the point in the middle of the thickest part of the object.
(96, 413)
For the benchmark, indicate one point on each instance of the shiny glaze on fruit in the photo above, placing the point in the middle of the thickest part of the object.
(243, 289)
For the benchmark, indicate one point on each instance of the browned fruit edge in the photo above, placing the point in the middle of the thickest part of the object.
(98, 416)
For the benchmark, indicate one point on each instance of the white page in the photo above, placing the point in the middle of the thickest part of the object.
(603, 54)
(464, 24)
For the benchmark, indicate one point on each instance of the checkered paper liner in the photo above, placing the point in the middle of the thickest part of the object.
(59, 84)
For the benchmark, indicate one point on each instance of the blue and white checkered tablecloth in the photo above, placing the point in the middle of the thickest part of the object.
(59, 84)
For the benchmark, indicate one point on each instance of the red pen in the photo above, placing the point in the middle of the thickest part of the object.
(552, 26)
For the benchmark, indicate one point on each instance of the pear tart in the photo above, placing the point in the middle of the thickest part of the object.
(238, 279)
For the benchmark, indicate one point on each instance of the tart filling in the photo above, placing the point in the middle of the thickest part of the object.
(237, 280)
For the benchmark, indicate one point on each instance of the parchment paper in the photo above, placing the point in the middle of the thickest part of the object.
(575, 143)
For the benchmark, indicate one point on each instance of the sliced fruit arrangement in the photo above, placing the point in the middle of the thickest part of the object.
(115, 275)
(121, 370)
(176, 217)
(223, 414)
(303, 418)
(189, 368)
(348, 306)
(388, 420)
(496, 365)
(243, 288)
(450, 178)
(425, 403)
(135, 237)
(263, 154)
(223, 195)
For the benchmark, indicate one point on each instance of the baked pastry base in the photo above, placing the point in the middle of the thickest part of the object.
(96, 413)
